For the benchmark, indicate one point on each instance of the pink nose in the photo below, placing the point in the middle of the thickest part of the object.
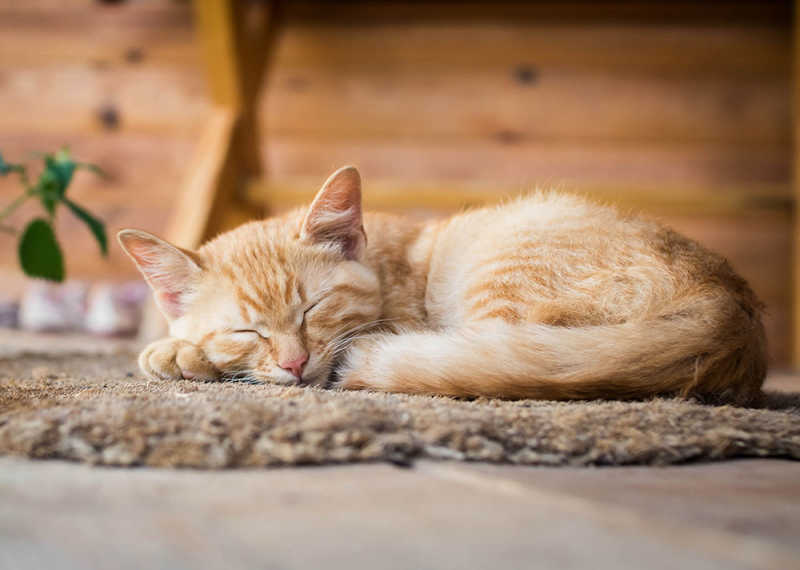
(295, 365)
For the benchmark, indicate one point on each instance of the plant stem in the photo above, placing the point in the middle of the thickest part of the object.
(11, 208)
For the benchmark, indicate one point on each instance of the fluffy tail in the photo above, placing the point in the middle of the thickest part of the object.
(714, 350)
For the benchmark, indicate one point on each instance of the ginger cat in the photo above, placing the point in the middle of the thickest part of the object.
(548, 296)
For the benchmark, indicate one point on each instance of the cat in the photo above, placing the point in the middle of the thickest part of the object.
(548, 296)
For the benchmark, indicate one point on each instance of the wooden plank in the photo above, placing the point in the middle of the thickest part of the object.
(153, 163)
(709, 48)
(765, 170)
(489, 104)
(669, 49)
(71, 98)
(497, 104)
(448, 196)
(399, 87)
(55, 14)
(674, 11)
(134, 32)
(448, 11)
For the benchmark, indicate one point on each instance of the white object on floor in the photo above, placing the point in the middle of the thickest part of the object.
(53, 307)
(115, 309)
(101, 308)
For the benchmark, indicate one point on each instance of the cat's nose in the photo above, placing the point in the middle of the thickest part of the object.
(295, 365)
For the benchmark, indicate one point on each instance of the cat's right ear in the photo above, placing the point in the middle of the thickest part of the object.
(335, 217)
(169, 270)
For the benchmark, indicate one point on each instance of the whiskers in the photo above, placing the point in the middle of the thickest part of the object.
(342, 339)
(243, 376)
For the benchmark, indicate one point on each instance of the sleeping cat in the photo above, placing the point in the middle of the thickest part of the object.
(548, 296)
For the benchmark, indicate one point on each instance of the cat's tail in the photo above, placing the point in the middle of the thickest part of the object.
(714, 349)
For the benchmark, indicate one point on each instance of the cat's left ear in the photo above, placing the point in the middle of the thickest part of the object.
(335, 215)
(170, 271)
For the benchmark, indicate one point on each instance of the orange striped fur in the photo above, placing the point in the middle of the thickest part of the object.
(548, 296)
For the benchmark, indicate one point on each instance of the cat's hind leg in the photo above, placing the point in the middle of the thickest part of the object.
(414, 363)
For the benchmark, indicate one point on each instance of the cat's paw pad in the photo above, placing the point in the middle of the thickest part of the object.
(174, 359)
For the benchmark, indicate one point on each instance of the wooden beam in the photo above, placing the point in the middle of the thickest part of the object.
(207, 187)
(236, 40)
(215, 29)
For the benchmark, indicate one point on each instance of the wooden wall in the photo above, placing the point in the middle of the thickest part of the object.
(678, 108)
(121, 85)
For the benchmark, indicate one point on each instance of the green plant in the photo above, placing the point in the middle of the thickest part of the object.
(39, 252)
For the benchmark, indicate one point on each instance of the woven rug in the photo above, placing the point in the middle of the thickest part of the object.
(98, 409)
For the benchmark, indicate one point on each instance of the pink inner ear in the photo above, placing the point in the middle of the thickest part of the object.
(169, 289)
(342, 227)
(170, 303)
(168, 270)
(335, 215)
(340, 199)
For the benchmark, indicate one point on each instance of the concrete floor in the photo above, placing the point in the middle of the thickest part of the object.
(742, 514)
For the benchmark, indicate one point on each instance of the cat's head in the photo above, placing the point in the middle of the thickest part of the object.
(271, 300)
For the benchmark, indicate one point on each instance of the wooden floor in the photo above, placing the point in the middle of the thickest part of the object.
(743, 514)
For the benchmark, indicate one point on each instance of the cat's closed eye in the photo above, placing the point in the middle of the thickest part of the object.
(250, 333)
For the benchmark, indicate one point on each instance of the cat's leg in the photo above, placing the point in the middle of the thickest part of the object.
(405, 362)
(359, 367)
(174, 359)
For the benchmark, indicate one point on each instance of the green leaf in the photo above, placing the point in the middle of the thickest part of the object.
(48, 188)
(62, 166)
(96, 226)
(39, 253)
(54, 179)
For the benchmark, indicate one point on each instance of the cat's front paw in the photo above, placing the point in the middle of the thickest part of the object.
(174, 359)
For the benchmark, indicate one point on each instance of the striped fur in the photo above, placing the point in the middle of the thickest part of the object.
(548, 296)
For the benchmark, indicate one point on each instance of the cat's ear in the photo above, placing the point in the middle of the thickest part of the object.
(169, 270)
(335, 214)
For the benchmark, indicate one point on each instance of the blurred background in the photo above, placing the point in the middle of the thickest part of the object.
(679, 109)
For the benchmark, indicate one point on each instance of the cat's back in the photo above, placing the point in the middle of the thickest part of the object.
(551, 246)
(540, 223)
(544, 212)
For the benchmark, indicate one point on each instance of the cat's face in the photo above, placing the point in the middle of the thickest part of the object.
(271, 300)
